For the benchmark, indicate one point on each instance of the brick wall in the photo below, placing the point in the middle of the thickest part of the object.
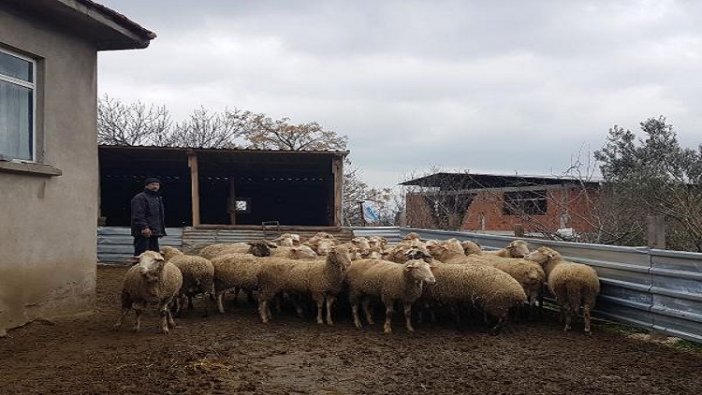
(568, 205)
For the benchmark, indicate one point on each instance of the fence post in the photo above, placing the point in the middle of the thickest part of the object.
(656, 231)
(519, 230)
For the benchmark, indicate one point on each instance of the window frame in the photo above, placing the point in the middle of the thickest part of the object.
(29, 85)
(513, 205)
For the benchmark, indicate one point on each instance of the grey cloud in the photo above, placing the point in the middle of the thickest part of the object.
(480, 85)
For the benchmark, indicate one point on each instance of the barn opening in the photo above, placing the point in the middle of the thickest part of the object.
(226, 187)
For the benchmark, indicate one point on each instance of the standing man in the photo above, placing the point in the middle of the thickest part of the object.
(147, 217)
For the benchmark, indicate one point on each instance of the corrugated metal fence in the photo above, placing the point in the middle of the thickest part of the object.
(115, 243)
(653, 289)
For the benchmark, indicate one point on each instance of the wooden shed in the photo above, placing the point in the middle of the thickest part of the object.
(229, 188)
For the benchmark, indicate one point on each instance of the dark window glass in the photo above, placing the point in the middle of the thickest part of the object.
(12, 66)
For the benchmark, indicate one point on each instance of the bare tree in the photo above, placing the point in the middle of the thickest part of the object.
(131, 124)
(205, 129)
(356, 191)
(266, 133)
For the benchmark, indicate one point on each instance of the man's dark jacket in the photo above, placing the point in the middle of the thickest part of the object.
(147, 212)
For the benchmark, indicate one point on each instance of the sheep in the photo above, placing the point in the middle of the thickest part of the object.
(321, 246)
(322, 279)
(151, 281)
(515, 249)
(168, 252)
(377, 242)
(299, 252)
(258, 248)
(471, 248)
(573, 284)
(235, 271)
(402, 254)
(484, 286)
(391, 282)
(288, 240)
(411, 236)
(198, 276)
(528, 274)
(448, 252)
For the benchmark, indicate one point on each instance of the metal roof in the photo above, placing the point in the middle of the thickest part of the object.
(223, 150)
(477, 181)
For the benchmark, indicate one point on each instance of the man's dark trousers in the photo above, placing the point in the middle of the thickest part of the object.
(142, 244)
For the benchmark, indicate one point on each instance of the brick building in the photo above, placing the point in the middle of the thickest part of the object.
(496, 203)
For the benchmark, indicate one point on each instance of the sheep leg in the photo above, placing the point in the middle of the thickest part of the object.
(263, 309)
(235, 291)
(164, 320)
(495, 330)
(330, 303)
(568, 318)
(389, 310)
(586, 317)
(220, 305)
(137, 322)
(353, 300)
(169, 319)
(319, 299)
(408, 316)
(367, 310)
(250, 297)
(120, 320)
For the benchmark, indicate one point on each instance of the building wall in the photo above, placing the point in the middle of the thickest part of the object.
(47, 224)
(486, 212)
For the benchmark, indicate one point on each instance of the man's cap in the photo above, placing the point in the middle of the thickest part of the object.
(150, 180)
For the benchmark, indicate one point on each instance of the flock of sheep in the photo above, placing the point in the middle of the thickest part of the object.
(426, 275)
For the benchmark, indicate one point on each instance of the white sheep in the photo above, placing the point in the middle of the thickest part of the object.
(258, 248)
(379, 242)
(391, 282)
(151, 281)
(295, 252)
(573, 284)
(493, 290)
(471, 248)
(198, 276)
(288, 240)
(515, 249)
(528, 274)
(322, 280)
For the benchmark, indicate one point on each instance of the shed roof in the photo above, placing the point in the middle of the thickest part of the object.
(108, 28)
(477, 181)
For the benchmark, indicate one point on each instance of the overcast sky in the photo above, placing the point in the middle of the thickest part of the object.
(490, 86)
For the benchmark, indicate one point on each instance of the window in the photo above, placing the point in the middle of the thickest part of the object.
(242, 205)
(17, 98)
(525, 202)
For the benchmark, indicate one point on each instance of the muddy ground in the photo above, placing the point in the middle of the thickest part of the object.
(235, 353)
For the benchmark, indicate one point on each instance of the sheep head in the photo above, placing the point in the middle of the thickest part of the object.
(377, 241)
(471, 248)
(151, 265)
(419, 271)
(543, 255)
(518, 249)
(339, 257)
(325, 246)
(169, 252)
(361, 243)
(416, 253)
(303, 252)
(261, 247)
(412, 236)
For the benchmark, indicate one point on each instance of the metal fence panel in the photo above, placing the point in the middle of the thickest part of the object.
(115, 243)
(651, 289)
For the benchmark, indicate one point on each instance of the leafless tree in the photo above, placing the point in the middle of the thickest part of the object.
(131, 124)
(266, 133)
(205, 129)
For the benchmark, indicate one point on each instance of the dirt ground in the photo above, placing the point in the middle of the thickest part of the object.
(235, 353)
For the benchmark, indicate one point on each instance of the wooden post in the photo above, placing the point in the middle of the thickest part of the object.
(194, 187)
(360, 212)
(518, 230)
(338, 172)
(656, 231)
(232, 201)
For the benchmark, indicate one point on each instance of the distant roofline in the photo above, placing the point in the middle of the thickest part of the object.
(116, 17)
(431, 179)
(223, 150)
